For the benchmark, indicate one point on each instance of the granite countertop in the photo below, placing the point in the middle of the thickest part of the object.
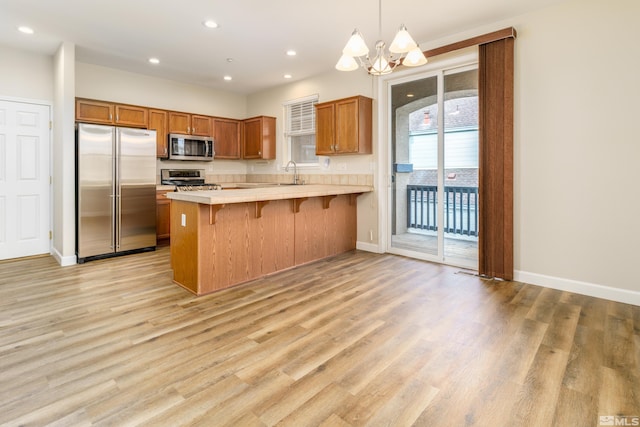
(255, 192)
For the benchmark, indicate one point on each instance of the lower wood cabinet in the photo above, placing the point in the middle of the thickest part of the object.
(163, 217)
(218, 246)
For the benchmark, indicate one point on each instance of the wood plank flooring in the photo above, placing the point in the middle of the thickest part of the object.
(360, 339)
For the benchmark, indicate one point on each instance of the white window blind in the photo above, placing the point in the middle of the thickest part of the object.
(301, 116)
(300, 129)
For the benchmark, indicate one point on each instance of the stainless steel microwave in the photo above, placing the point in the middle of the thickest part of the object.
(190, 147)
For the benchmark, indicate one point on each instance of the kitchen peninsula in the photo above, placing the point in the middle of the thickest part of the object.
(226, 237)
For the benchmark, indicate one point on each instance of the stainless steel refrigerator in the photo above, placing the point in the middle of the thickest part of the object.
(115, 191)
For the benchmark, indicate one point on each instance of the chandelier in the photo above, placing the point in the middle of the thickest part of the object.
(403, 50)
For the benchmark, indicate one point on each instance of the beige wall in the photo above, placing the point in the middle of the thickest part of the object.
(328, 86)
(25, 75)
(93, 81)
(96, 82)
(576, 149)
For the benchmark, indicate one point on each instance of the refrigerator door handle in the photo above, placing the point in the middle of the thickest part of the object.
(118, 220)
(113, 214)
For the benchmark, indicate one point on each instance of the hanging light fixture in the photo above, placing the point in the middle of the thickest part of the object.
(403, 50)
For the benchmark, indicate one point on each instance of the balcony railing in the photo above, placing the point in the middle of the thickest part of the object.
(460, 207)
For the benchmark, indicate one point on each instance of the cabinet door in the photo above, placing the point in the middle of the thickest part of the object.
(252, 147)
(226, 138)
(179, 123)
(346, 126)
(158, 122)
(201, 125)
(89, 111)
(163, 218)
(129, 115)
(324, 128)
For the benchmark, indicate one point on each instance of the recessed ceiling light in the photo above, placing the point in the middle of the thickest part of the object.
(291, 52)
(25, 30)
(210, 24)
(287, 76)
(228, 78)
(154, 60)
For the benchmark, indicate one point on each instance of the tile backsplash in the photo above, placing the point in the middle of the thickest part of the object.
(335, 179)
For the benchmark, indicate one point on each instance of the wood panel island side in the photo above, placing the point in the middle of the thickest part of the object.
(223, 238)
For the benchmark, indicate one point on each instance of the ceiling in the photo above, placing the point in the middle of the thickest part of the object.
(251, 42)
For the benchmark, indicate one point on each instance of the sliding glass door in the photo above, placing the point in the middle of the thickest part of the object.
(434, 156)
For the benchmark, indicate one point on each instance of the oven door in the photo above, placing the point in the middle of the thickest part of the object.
(189, 147)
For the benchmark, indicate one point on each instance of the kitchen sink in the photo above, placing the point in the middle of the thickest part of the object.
(248, 185)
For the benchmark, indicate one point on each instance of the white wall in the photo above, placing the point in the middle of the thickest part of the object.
(25, 75)
(64, 245)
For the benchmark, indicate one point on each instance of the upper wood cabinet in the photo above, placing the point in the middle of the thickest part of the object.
(201, 125)
(158, 122)
(91, 111)
(259, 138)
(189, 124)
(344, 126)
(226, 138)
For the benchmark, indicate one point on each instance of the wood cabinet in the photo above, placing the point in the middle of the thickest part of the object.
(226, 138)
(91, 111)
(259, 138)
(344, 126)
(158, 122)
(163, 216)
(218, 246)
(189, 124)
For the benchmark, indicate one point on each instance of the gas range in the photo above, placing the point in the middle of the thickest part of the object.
(198, 187)
(186, 179)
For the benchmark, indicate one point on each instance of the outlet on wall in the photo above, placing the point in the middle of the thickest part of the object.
(342, 166)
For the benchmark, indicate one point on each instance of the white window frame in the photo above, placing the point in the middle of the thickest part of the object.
(306, 129)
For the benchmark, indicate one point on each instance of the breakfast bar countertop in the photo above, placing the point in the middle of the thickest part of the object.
(267, 192)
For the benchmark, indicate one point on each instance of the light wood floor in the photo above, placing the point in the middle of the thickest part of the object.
(361, 339)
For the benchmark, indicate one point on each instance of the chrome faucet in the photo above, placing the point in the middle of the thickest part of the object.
(295, 171)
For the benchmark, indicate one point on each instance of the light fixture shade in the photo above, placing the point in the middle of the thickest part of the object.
(346, 63)
(356, 45)
(414, 58)
(403, 42)
(380, 66)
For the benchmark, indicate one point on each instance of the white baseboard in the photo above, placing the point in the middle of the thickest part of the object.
(578, 287)
(63, 261)
(369, 247)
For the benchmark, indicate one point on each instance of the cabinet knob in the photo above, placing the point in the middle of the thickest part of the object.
(259, 153)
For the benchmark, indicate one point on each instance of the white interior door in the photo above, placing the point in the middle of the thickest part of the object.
(24, 179)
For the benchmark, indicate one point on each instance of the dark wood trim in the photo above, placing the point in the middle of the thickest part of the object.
(474, 41)
(496, 86)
